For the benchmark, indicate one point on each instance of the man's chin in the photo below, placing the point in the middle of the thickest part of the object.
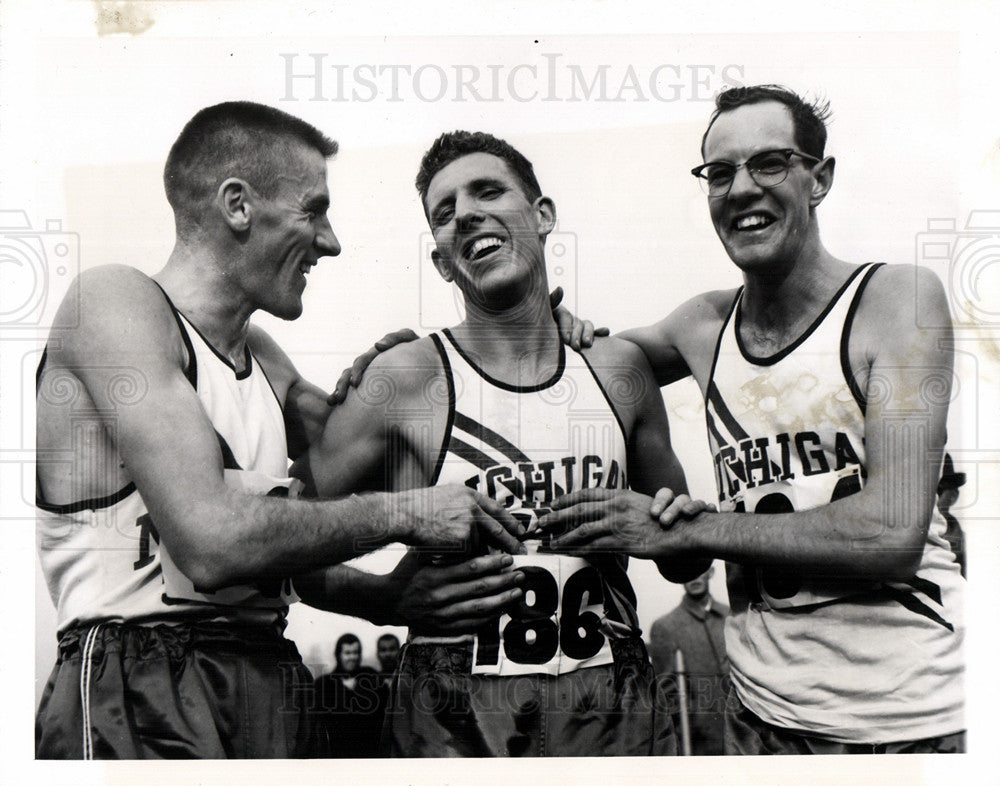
(286, 311)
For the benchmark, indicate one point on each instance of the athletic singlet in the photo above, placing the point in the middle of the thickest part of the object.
(102, 558)
(848, 660)
(524, 446)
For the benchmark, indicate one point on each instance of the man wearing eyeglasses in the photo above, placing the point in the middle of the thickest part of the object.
(826, 402)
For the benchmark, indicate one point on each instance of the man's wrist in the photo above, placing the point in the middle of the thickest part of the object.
(393, 512)
(384, 596)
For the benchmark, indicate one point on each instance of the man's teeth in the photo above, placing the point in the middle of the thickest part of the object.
(483, 244)
(752, 222)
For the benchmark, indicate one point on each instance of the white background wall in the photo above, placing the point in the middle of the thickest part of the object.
(88, 119)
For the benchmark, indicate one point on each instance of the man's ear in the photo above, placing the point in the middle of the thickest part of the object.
(822, 180)
(545, 211)
(443, 266)
(233, 200)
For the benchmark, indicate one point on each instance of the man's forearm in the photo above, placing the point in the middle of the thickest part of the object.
(245, 536)
(838, 540)
(342, 589)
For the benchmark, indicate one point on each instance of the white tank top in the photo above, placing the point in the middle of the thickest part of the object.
(523, 446)
(849, 660)
(102, 558)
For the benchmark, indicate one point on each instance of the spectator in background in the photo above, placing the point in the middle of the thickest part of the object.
(947, 490)
(695, 628)
(349, 710)
(387, 652)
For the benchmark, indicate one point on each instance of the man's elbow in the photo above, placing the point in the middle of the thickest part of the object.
(209, 563)
(210, 572)
(894, 558)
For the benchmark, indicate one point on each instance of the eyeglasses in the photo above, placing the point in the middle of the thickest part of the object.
(766, 169)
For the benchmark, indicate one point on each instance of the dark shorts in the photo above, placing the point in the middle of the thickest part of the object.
(175, 692)
(439, 709)
(748, 735)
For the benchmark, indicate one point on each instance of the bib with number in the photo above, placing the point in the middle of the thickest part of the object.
(557, 626)
(524, 446)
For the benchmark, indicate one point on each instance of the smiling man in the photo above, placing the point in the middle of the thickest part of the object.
(498, 404)
(826, 402)
(165, 423)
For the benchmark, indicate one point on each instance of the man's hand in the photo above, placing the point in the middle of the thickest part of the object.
(606, 520)
(667, 508)
(454, 598)
(578, 333)
(454, 520)
(351, 377)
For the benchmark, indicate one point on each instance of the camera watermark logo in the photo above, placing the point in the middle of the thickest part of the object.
(437, 313)
(35, 266)
(967, 260)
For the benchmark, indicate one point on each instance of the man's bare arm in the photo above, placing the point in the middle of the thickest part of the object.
(385, 435)
(444, 599)
(628, 526)
(879, 532)
(217, 535)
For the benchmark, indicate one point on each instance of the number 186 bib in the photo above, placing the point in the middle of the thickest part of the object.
(556, 627)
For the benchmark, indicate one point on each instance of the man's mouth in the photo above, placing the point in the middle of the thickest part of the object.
(752, 222)
(482, 247)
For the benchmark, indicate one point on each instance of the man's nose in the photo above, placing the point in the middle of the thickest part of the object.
(743, 183)
(326, 239)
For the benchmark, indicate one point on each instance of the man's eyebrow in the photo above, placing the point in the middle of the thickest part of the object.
(474, 185)
(481, 182)
(318, 202)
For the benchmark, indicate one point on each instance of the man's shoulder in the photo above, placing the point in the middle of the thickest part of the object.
(694, 324)
(669, 620)
(118, 285)
(612, 352)
(404, 370)
(414, 358)
(895, 280)
(902, 292)
(120, 307)
(707, 307)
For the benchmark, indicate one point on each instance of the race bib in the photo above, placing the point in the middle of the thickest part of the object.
(556, 627)
(785, 588)
(265, 594)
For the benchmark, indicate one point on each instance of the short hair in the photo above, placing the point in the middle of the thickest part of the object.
(809, 118)
(344, 641)
(387, 636)
(455, 144)
(234, 139)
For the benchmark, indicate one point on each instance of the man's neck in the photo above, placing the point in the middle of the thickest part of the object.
(777, 308)
(519, 346)
(194, 279)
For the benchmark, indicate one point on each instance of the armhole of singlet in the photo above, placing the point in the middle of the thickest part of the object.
(449, 379)
(191, 371)
(845, 340)
(41, 368)
(718, 341)
(611, 404)
(252, 358)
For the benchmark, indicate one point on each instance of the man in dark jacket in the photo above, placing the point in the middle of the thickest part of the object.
(695, 628)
